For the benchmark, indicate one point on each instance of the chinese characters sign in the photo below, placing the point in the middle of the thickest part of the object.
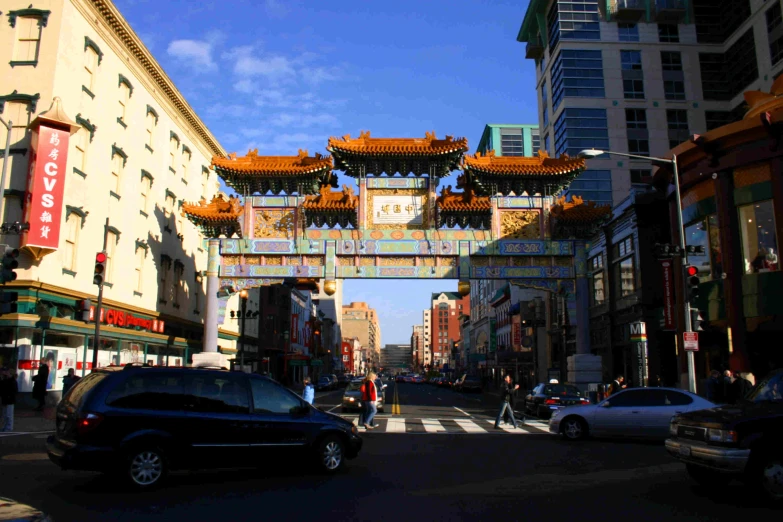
(294, 328)
(668, 294)
(397, 210)
(45, 187)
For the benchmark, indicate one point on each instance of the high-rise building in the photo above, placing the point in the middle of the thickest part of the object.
(361, 321)
(510, 140)
(396, 357)
(417, 345)
(445, 310)
(139, 152)
(641, 76)
(426, 358)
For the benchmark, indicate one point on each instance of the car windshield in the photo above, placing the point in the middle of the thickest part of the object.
(561, 389)
(324, 379)
(355, 386)
(78, 393)
(768, 389)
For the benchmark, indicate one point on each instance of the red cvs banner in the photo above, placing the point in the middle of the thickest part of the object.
(668, 294)
(46, 187)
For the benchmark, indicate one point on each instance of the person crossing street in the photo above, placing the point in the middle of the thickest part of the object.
(507, 392)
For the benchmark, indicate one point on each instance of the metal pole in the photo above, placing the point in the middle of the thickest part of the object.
(686, 304)
(96, 340)
(242, 336)
(5, 167)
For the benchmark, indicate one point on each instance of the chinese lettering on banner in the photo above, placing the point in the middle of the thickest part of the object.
(294, 328)
(45, 187)
(668, 294)
(516, 332)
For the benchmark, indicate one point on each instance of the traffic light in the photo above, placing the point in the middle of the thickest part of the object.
(84, 310)
(8, 302)
(696, 320)
(100, 268)
(9, 264)
(692, 283)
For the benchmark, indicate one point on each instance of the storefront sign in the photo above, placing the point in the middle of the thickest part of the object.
(397, 210)
(516, 332)
(45, 187)
(294, 328)
(127, 320)
(668, 294)
(638, 337)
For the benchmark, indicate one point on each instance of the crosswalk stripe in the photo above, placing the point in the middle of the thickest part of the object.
(432, 425)
(395, 426)
(469, 426)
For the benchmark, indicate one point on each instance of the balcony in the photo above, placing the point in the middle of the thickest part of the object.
(628, 10)
(534, 50)
(669, 11)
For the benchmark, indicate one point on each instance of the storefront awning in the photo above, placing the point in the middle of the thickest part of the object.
(501, 296)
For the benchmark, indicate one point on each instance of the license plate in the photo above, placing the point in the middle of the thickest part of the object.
(685, 451)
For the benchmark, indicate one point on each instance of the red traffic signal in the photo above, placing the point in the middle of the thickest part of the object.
(100, 268)
(100, 257)
(691, 271)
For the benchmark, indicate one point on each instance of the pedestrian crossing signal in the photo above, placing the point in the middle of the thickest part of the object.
(100, 268)
(9, 264)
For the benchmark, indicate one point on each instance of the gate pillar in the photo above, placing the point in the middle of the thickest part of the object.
(211, 313)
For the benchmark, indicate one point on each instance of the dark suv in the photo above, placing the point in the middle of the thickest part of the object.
(144, 421)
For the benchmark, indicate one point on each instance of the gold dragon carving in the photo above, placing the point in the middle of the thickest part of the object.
(274, 224)
(520, 225)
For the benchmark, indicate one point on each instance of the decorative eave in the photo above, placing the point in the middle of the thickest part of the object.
(464, 209)
(221, 216)
(377, 156)
(331, 208)
(539, 174)
(260, 174)
(577, 218)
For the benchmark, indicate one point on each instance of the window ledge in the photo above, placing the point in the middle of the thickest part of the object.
(144, 214)
(172, 170)
(176, 306)
(106, 283)
(124, 125)
(115, 195)
(162, 301)
(68, 272)
(16, 63)
(79, 172)
(184, 181)
(197, 312)
(88, 91)
(137, 294)
(149, 148)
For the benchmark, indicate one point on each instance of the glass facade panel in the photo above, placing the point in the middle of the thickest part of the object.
(628, 32)
(535, 141)
(668, 33)
(626, 282)
(511, 142)
(593, 185)
(775, 32)
(573, 20)
(580, 129)
(671, 61)
(544, 104)
(757, 233)
(725, 75)
(577, 73)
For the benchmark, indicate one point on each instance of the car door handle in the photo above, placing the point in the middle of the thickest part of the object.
(635, 412)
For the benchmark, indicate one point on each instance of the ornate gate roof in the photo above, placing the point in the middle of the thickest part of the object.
(331, 208)
(261, 174)
(221, 216)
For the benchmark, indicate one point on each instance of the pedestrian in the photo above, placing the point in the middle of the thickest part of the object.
(727, 391)
(740, 387)
(616, 386)
(507, 391)
(369, 402)
(714, 387)
(39, 386)
(8, 391)
(309, 391)
(69, 380)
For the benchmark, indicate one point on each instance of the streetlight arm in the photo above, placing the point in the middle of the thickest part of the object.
(592, 153)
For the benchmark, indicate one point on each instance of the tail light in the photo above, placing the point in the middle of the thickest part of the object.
(584, 401)
(88, 422)
(552, 401)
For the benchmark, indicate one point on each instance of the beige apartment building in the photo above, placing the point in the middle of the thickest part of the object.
(140, 152)
(361, 322)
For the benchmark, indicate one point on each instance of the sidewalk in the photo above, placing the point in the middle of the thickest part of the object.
(30, 421)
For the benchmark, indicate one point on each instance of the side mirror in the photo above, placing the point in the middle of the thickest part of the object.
(606, 404)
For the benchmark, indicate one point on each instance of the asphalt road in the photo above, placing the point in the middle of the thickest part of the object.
(491, 476)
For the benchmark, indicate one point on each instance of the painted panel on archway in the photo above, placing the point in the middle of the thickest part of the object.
(413, 272)
(512, 272)
(398, 210)
(271, 271)
(544, 248)
(398, 183)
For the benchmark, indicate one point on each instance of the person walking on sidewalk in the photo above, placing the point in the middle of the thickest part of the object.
(507, 391)
(369, 402)
(8, 391)
(68, 381)
(39, 386)
(309, 391)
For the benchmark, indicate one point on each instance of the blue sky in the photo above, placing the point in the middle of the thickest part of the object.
(280, 75)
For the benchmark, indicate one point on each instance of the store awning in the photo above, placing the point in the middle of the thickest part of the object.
(501, 296)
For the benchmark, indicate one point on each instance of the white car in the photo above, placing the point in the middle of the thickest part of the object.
(636, 412)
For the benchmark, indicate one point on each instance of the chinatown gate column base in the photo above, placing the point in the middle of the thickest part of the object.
(584, 369)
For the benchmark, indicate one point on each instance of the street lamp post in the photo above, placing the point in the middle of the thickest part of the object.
(242, 316)
(592, 153)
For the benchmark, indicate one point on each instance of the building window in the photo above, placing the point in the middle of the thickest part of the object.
(173, 149)
(185, 165)
(165, 269)
(151, 121)
(716, 20)
(176, 286)
(593, 185)
(757, 233)
(146, 186)
(535, 146)
(90, 68)
(639, 146)
(204, 183)
(704, 233)
(73, 223)
(668, 33)
(169, 210)
(141, 253)
(775, 33)
(633, 79)
(28, 39)
(117, 166)
(624, 268)
(628, 32)
(574, 20)
(511, 142)
(125, 94)
(631, 60)
(725, 75)
(81, 141)
(544, 104)
(597, 281)
(579, 129)
(18, 113)
(674, 89)
(111, 249)
(671, 61)
(677, 122)
(636, 118)
(641, 176)
(577, 73)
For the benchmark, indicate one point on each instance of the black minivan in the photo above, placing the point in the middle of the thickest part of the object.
(143, 421)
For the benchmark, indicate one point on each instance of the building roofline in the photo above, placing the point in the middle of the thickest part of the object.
(123, 31)
(533, 8)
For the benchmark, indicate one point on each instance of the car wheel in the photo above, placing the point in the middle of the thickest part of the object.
(707, 477)
(146, 467)
(331, 454)
(767, 472)
(573, 428)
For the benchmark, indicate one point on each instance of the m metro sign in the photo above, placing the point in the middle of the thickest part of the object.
(690, 341)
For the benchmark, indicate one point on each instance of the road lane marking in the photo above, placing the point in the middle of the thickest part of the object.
(333, 408)
(469, 426)
(462, 411)
(432, 425)
(395, 426)
(440, 399)
(396, 410)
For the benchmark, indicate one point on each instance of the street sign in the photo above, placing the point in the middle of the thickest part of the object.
(690, 341)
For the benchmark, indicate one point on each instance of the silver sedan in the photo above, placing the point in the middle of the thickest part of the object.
(633, 413)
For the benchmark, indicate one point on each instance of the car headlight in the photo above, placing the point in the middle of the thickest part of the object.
(350, 399)
(673, 428)
(714, 435)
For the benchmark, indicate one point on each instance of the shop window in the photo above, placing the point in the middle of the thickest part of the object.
(73, 223)
(704, 233)
(597, 280)
(759, 242)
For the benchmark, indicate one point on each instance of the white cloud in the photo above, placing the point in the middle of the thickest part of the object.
(302, 120)
(248, 63)
(284, 143)
(197, 53)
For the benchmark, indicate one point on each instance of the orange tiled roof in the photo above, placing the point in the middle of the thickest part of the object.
(252, 163)
(427, 146)
(328, 200)
(466, 201)
(578, 211)
(219, 209)
(539, 165)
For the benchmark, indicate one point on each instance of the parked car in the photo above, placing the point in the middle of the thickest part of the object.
(471, 384)
(352, 397)
(735, 441)
(631, 413)
(400, 378)
(457, 386)
(142, 422)
(326, 382)
(544, 399)
(13, 511)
